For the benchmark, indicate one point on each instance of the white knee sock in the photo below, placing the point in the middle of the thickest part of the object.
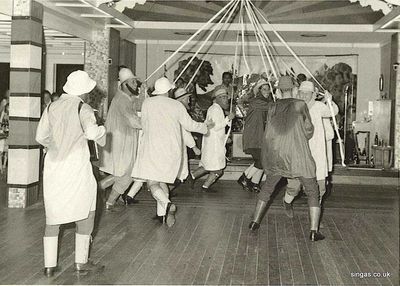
(135, 189)
(82, 243)
(161, 198)
(257, 176)
(247, 171)
(288, 198)
(252, 172)
(50, 246)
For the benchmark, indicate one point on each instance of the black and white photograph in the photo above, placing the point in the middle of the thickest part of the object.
(199, 142)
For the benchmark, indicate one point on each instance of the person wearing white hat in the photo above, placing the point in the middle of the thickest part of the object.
(69, 186)
(183, 97)
(318, 111)
(160, 153)
(213, 145)
(123, 123)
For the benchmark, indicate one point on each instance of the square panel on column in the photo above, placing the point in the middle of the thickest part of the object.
(25, 106)
(26, 30)
(23, 169)
(25, 81)
(23, 132)
(26, 56)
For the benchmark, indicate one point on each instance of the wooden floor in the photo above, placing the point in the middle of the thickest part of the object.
(211, 244)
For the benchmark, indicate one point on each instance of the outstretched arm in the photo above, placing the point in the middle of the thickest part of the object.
(90, 128)
(131, 117)
(189, 124)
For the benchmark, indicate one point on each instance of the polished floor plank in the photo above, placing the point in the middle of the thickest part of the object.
(307, 265)
(252, 251)
(205, 246)
(373, 252)
(228, 262)
(283, 250)
(349, 236)
(203, 270)
(263, 254)
(273, 259)
(294, 255)
(210, 243)
(171, 266)
(217, 261)
(239, 267)
(318, 266)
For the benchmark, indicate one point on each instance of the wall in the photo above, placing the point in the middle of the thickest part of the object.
(54, 57)
(149, 56)
(58, 58)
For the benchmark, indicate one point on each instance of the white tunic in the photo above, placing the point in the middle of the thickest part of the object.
(317, 143)
(213, 144)
(161, 150)
(69, 186)
(188, 141)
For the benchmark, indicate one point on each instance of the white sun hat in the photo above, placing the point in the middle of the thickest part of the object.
(307, 86)
(181, 93)
(78, 83)
(125, 74)
(162, 85)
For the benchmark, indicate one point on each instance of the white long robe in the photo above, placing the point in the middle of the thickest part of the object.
(213, 145)
(329, 135)
(123, 124)
(160, 155)
(317, 143)
(189, 142)
(69, 186)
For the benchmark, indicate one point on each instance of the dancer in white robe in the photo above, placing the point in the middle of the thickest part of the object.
(69, 186)
(123, 124)
(160, 154)
(213, 149)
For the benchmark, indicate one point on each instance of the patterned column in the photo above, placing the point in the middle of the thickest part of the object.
(97, 65)
(25, 103)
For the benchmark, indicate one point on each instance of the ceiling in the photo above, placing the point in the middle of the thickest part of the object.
(340, 21)
(55, 40)
(277, 11)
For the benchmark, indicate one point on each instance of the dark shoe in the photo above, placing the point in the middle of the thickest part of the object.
(208, 190)
(49, 271)
(170, 215)
(315, 236)
(256, 188)
(288, 209)
(242, 181)
(254, 225)
(159, 218)
(89, 267)
(128, 200)
(113, 208)
(191, 180)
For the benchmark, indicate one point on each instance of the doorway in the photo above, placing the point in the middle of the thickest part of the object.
(62, 72)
